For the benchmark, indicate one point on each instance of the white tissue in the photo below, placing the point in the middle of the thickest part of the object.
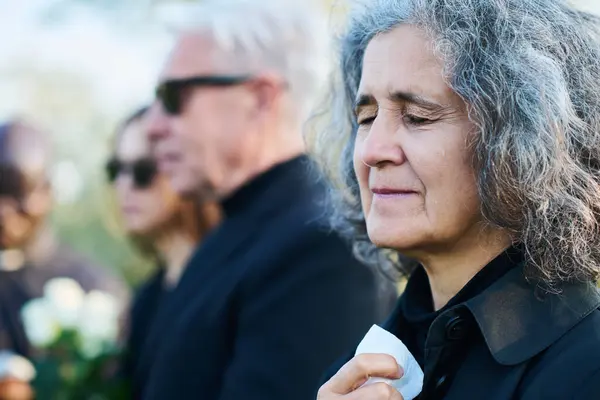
(380, 341)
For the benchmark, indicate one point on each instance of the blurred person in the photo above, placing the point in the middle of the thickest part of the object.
(256, 315)
(471, 135)
(16, 374)
(164, 227)
(30, 252)
(14, 389)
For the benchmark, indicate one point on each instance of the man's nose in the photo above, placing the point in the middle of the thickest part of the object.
(157, 123)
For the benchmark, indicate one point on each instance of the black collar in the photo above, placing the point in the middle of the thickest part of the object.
(517, 323)
(417, 301)
(284, 179)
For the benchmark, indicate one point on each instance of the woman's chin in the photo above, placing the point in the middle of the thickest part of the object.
(400, 241)
(137, 229)
(401, 234)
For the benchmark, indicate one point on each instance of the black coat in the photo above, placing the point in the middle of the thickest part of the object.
(509, 343)
(145, 305)
(267, 303)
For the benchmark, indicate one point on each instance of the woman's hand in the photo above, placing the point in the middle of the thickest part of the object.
(346, 384)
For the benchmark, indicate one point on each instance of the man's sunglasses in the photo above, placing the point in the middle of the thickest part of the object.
(142, 171)
(169, 93)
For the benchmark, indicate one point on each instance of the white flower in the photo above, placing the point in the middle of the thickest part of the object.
(66, 298)
(38, 320)
(98, 322)
(14, 366)
(92, 348)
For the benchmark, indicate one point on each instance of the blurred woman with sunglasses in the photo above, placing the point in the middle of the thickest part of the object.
(162, 225)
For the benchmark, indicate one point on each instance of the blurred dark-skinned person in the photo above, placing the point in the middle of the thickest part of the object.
(163, 226)
(256, 315)
(30, 252)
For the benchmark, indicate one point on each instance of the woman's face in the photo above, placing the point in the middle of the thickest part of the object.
(411, 156)
(146, 201)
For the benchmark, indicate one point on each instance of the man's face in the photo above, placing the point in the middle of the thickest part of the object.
(203, 143)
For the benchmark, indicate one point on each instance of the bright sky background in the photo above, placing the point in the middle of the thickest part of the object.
(120, 64)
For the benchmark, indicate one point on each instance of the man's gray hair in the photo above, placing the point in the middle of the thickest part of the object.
(529, 72)
(286, 37)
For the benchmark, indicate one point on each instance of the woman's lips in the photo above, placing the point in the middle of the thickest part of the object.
(389, 193)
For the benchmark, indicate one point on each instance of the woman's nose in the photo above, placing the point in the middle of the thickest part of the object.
(381, 145)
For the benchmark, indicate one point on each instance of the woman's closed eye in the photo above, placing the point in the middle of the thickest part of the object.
(365, 120)
(417, 120)
(365, 115)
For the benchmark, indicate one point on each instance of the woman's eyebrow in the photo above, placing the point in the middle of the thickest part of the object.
(412, 98)
(363, 100)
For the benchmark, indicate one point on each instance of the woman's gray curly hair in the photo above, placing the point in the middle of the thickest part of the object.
(529, 72)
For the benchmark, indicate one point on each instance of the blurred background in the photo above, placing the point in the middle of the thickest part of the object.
(76, 68)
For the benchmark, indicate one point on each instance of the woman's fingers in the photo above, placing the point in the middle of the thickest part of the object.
(376, 391)
(358, 370)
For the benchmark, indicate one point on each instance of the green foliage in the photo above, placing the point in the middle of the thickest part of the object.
(91, 226)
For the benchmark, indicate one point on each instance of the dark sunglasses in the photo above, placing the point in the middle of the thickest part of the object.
(169, 93)
(142, 171)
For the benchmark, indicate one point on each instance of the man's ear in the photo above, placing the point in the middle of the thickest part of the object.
(268, 88)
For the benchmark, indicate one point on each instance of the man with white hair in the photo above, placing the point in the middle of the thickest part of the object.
(263, 307)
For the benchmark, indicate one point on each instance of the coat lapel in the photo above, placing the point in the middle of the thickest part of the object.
(517, 323)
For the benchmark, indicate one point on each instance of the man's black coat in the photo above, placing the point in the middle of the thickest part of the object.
(268, 302)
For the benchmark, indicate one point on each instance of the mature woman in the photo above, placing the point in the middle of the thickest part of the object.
(162, 225)
(472, 146)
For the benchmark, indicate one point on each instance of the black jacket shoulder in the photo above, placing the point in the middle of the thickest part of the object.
(570, 368)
